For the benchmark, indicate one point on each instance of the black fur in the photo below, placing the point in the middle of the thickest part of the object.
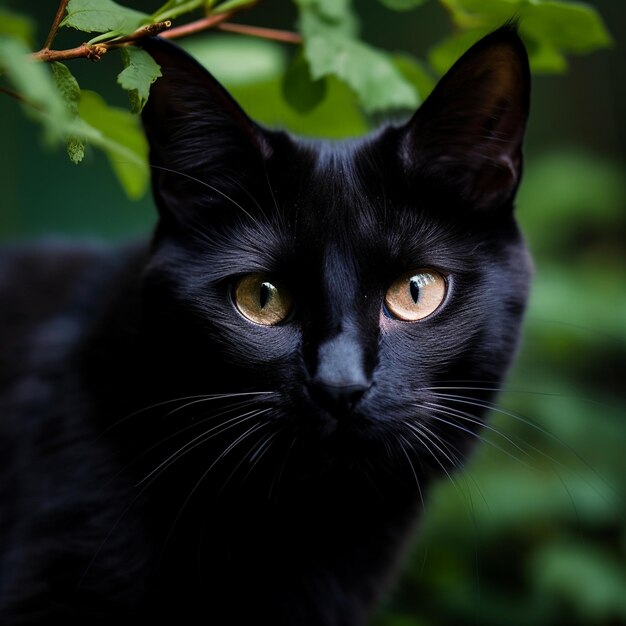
(129, 493)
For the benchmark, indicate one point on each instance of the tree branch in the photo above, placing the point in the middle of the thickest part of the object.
(56, 23)
(94, 52)
(283, 36)
(211, 21)
(20, 98)
(84, 51)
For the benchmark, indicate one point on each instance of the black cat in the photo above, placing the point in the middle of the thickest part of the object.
(237, 423)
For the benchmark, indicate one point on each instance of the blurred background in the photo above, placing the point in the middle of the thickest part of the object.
(533, 532)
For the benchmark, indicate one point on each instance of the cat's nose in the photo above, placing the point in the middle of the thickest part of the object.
(340, 379)
(338, 399)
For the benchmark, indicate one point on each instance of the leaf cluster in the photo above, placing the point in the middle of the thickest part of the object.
(331, 53)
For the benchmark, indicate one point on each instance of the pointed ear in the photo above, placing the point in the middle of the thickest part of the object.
(199, 137)
(468, 133)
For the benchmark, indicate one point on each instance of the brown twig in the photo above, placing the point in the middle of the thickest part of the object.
(205, 23)
(94, 52)
(20, 98)
(145, 31)
(56, 23)
(210, 21)
(85, 51)
(272, 34)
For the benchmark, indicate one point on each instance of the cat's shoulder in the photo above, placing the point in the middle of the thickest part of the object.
(50, 288)
(47, 270)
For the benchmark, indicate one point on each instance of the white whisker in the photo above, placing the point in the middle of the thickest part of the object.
(221, 397)
(254, 428)
(470, 418)
(202, 438)
(208, 186)
(403, 441)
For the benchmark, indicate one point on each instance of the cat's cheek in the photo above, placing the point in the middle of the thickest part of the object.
(251, 345)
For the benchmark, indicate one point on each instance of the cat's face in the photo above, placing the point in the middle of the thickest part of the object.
(358, 284)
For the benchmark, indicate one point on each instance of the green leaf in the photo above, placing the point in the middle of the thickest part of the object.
(585, 578)
(338, 116)
(333, 10)
(549, 29)
(236, 61)
(568, 27)
(68, 87)
(299, 89)
(141, 70)
(415, 73)
(443, 55)
(75, 147)
(335, 16)
(101, 16)
(402, 5)
(17, 25)
(33, 81)
(119, 134)
(478, 13)
(330, 49)
(253, 69)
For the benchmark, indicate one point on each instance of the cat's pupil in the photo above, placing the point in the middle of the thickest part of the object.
(266, 293)
(415, 289)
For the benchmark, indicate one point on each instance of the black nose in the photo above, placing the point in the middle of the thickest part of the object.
(337, 399)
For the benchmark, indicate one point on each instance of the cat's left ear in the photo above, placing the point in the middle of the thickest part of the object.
(199, 136)
(467, 136)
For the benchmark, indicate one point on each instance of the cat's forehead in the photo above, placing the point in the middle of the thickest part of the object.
(341, 188)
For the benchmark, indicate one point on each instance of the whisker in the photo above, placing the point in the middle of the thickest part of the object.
(254, 428)
(370, 479)
(222, 397)
(199, 397)
(262, 448)
(403, 441)
(536, 427)
(452, 413)
(469, 417)
(420, 436)
(260, 451)
(420, 431)
(243, 456)
(177, 433)
(208, 186)
(494, 407)
(200, 439)
(274, 487)
(148, 408)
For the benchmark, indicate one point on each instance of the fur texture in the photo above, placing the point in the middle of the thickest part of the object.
(163, 457)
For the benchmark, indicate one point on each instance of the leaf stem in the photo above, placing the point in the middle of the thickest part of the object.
(176, 11)
(20, 98)
(56, 23)
(272, 34)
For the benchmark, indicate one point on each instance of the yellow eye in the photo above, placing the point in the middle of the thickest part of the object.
(262, 300)
(415, 295)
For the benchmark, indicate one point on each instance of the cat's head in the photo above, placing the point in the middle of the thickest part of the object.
(359, 285)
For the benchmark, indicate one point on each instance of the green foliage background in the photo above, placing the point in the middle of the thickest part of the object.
(533, 532)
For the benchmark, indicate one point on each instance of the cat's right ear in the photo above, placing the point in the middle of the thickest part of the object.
(199, 137)
(466, 138)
